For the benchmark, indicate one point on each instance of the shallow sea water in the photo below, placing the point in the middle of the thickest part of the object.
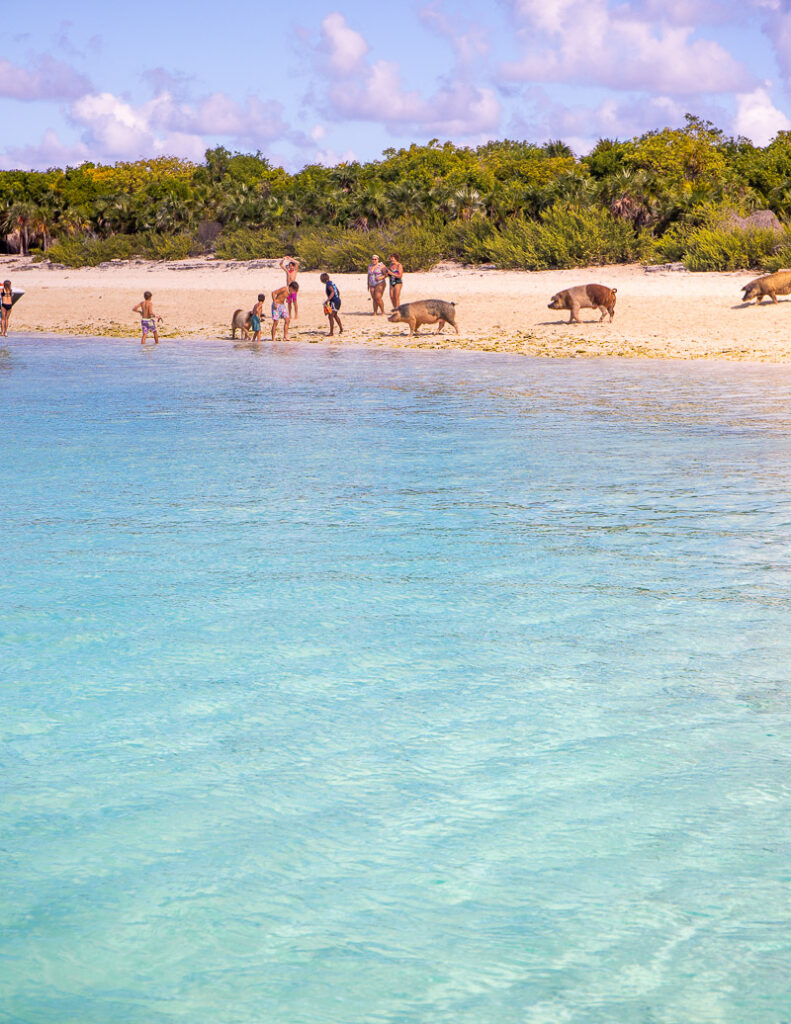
(346, 686)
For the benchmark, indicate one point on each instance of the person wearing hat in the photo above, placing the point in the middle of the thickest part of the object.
(377, 276)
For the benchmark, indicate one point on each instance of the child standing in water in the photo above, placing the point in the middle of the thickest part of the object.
(255, 318)
(333, 304)
(290, 265)
(280, 312)
(148, 318)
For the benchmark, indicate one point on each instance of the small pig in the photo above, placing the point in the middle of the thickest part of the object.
(585, 296)
(772, 285)
(243, 322)
(425, 311)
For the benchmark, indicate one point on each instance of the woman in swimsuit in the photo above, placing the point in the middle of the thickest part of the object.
(7, 300)
(396, 280)
(377, 274)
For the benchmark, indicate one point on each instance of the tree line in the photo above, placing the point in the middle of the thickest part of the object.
(673, 194)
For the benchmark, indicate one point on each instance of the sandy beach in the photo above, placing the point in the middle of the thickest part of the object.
(661, 312)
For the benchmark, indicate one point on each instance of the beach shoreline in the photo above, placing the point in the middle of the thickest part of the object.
(662, 313)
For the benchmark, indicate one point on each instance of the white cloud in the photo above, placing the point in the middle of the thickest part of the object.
(757, 118)
(344, 48)
(581, 127)
(45, 79)
(778, 30)
(359, 89)
(588, 41)
(50, 152)
(119, 130)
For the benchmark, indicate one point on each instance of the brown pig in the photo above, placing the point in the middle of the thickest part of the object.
(242, 322)
(585, 296)
(772, 285)
(425, 311)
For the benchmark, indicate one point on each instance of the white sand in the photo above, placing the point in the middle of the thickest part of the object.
(660, 313)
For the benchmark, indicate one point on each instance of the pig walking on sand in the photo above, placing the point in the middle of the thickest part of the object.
(585, 296)
(425, 311)
(772, 285)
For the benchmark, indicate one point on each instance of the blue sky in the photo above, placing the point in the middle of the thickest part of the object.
(322, 83)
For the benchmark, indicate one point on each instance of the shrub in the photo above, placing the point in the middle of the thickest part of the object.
(567, 237)
(468, 241)
(711, 248)
(249, 244)
(90, 252)
(418, 246)
(169, 247)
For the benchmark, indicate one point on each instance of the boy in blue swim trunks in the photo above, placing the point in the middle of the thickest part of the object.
(256, 314)
(280, 312)
(148, 318)
(333, 304)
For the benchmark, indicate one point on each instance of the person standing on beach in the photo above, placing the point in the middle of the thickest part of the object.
(7, 301)
(256, 313)
(291, 300)
(148, 318)
(280, 312)
(396, 272)
(333, 303)
(290, 265)
(377, 274)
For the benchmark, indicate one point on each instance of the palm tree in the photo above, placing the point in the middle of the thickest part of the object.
(20, 216)
(406, 199)
(465, 203)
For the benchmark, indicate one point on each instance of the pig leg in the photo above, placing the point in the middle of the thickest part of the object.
(575, 315)
(774, 296)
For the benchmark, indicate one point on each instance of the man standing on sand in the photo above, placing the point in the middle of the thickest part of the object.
(290, 264)
(148, 318)
(280, 312)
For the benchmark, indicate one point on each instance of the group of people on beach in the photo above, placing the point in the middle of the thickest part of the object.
(285, 301)
(378, 274)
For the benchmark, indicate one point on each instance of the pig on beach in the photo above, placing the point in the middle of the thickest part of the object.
(585, 296)
(425, 311)
(242, 322)
(772, 285)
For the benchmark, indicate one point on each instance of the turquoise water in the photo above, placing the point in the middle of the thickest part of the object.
(380, 686)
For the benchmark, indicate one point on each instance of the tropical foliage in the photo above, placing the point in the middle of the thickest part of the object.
(664, 196)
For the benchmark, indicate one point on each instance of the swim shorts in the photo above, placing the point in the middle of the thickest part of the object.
(279, 311)
(149, 325)
(255, 322)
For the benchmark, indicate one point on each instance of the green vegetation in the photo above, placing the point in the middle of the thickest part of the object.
(667, 196)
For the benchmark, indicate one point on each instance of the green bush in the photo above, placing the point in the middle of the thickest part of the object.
(418, 246)
(249, 244)
(90, 252)
(468, 241)
(711, 248)
(170, 247)
(567, 237)
(781, 257)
